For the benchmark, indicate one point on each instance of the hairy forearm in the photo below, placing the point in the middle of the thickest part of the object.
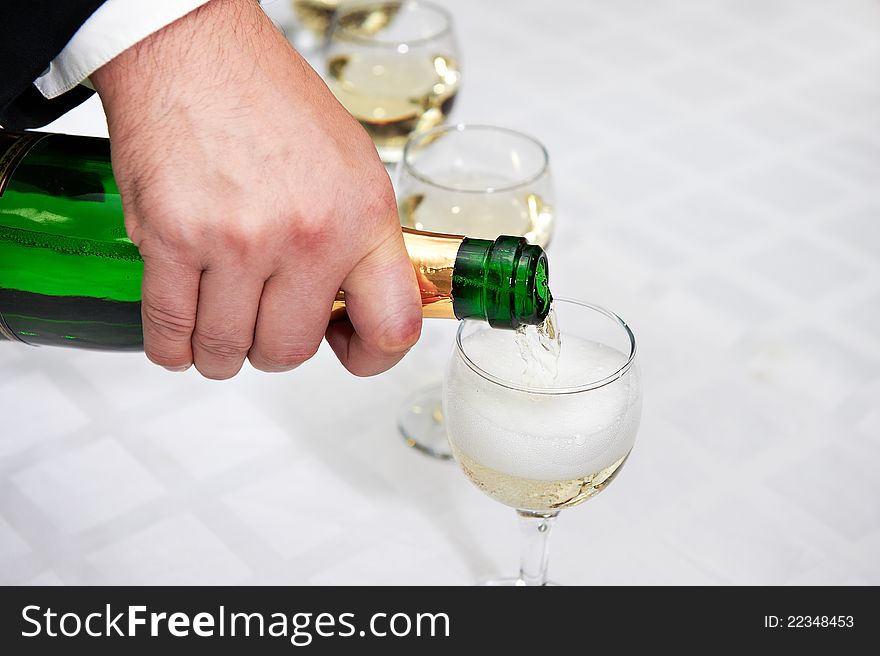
(199, 47)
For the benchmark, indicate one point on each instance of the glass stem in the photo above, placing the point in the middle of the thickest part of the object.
(535, 554)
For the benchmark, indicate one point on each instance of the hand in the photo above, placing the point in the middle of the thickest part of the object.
(253, 197)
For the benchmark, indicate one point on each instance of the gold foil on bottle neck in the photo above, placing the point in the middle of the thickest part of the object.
(433, 257)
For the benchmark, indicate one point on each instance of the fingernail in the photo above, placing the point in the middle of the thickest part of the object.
(178, 369)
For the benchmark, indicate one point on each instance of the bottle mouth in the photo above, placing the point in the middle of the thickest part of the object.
(503, 282)
(537, 283)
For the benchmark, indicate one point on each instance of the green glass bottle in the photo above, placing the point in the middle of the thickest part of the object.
(69, 275)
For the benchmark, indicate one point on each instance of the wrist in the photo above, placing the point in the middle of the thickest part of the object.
(186, 54)
(114, 27)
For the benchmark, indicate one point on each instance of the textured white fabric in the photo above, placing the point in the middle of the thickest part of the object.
(114, 27)
(715, 165)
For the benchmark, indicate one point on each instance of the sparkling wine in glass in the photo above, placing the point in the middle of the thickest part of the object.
(395, 66)
(482, 180)
(543, 419)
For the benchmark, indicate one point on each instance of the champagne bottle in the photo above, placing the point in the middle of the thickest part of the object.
(69, 275)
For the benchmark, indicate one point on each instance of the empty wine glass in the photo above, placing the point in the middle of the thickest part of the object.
(394, 65)
(477, 180)
(541, 444)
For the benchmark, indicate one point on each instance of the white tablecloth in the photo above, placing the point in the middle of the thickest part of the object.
(717, 165)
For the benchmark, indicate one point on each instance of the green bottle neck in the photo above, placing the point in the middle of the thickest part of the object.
(503, 282)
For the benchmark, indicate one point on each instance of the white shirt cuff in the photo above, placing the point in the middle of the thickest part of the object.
(114, 27)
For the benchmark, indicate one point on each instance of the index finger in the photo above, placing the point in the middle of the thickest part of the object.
(170, 294)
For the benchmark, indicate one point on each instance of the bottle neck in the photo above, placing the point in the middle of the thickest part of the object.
(434, 257)
(503, 282)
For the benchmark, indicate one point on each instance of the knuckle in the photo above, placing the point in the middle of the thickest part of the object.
(313, 228)
(399, 331)
(225, 344)
(167, 323)
(241, 238)
(381, 203)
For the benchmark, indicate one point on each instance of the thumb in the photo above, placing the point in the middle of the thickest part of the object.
(384, 310)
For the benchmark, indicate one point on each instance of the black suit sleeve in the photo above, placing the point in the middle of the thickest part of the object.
(32, 33)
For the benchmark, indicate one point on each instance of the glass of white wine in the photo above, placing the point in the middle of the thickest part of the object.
(476, 180)
(313, 18)
(394, 64)
(543, 422)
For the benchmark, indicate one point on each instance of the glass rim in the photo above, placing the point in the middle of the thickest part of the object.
(384, 43)
(410, 168)
(556, 391)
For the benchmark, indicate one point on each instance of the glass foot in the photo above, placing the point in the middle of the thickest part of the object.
(511, 582)
(420, 422)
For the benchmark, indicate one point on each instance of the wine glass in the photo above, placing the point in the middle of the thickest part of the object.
(476, 180)
(394, 65)
(541, 444)
(313, 18)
